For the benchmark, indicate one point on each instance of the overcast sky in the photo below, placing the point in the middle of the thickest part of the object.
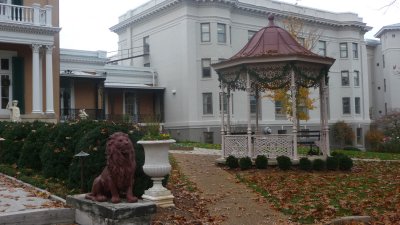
(85, 23)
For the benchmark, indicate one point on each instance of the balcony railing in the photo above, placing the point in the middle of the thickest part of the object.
(73, 114)
(26, 15)
(98, 114)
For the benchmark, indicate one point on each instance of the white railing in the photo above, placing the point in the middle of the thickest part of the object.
(26, 15)
(271, 146)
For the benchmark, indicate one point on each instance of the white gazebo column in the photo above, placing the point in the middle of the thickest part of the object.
(222, 119)
(228, 110)
(294, 114)
(49, 79)
(257, 96)
(324, 145)
(248, 90)
(35, 79)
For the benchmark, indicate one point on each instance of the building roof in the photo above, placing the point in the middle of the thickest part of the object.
(395, 26)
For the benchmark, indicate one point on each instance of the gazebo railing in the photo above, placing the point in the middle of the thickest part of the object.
(236, 145)
(271, 146)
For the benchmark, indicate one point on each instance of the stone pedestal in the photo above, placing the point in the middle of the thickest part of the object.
(88, 212)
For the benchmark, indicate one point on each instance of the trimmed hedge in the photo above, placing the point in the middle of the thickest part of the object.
(284, 162)
(49, 149)
(305, 164)
(261, 162)
(332, 163)
(318, 164)
(232, 162)
(245, 163)
(345, 163)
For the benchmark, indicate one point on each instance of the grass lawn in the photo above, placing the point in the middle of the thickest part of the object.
(190, 145)
(371, 188)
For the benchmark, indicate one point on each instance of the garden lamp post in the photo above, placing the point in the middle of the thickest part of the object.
(81, 156)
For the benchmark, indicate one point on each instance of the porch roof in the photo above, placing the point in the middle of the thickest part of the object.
(81, 74)
(131, 86)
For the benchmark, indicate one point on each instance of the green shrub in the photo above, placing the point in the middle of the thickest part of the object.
(351, 148)
(261, 162)
(345, 163)
(14, 135)
(33, 145)
(245, 163)
(318, 164)
(342, 133)
(284, 162)
(305, 164)
(337, 154)
(332, 163)
(232, 162)
(313, 151)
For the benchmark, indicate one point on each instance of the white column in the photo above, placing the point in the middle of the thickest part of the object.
(324, 119)
(248, 90)
(228, 110)
(49, 79)
(222, 120)
(294, 114)
(257, 95)
(35, 79)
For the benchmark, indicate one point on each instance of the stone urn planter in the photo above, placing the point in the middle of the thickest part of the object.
(156, 165)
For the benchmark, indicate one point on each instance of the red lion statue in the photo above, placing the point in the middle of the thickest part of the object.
(117, 177)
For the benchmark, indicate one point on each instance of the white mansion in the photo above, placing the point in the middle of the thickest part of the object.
(180, 39)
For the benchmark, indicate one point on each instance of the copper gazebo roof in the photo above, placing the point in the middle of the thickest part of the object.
(273, 47)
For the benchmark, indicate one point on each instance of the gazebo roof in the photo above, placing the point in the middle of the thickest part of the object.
(272, 41)
(269, 56)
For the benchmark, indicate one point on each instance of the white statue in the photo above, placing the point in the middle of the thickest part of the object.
(82, 114)
(15, 114)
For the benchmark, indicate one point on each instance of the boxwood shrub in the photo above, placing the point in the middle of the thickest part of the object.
(318, 164)
(284, 162)
(305, 164)
(261, 162)
(332, 163)
(245, 163)
(345, 163)
(232, 162)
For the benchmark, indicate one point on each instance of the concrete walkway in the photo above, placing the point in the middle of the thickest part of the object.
(228, 197)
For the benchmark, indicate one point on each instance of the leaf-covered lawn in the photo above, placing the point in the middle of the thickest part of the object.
(370, 155)
(371, 188)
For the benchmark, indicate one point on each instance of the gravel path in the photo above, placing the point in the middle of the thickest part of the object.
(228, 197)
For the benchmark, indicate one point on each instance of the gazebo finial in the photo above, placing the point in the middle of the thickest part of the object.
(271, 20)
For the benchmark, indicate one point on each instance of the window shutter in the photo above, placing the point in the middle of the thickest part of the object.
(18, 82)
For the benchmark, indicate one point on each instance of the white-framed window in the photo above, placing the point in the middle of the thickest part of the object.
(346, 105)
(253, 104)
(206, 68)
(279, 110)
(146, 65)
(355, 50)
(225, 96)
(221, 31)
(357, 105)
(250, 34)
(207, 104)
(146, 45)
(356, 78)
(343, 50)
(322, 48)
(205, 32)
(345, 78)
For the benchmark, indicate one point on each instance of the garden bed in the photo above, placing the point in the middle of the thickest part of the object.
(371, 188)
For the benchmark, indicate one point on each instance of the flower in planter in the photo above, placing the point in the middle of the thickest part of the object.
(153, 131)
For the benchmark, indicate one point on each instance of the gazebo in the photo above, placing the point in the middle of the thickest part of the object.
(272, 59)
